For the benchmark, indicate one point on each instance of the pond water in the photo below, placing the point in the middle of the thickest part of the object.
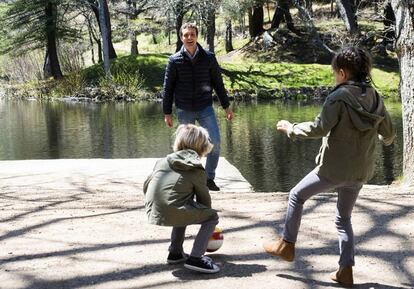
(266, 158)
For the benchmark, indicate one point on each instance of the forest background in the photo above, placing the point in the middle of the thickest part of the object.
(117, 50)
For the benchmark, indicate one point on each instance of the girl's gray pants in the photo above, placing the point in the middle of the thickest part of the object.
(311, 185)
(201, 240)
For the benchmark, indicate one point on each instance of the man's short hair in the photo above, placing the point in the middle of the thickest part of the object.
(188, 25)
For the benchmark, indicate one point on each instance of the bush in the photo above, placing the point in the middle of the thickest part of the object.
(24, 68)
(122, 83)
(263, 94)
(71, 59)
(69, 85)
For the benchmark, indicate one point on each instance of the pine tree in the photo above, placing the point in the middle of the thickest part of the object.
(36, 24)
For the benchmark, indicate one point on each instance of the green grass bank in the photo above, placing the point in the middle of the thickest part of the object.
(141, 77)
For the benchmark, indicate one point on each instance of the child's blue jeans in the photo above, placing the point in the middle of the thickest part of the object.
(311, 185)
(201, 240)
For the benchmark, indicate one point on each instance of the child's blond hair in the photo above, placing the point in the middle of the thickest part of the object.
(189, 136)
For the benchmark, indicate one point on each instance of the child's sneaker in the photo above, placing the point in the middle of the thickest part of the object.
(176, 258)
(203, 264)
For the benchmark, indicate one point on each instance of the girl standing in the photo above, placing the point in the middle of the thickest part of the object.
(353, 117)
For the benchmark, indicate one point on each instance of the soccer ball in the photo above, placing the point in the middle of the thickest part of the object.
(215, 241)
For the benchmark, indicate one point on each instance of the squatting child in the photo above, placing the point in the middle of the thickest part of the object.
(176, 194)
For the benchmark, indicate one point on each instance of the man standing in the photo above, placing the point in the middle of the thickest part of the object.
(190, 77)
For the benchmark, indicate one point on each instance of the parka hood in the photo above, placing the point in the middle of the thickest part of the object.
(184, 160)
(364, 105)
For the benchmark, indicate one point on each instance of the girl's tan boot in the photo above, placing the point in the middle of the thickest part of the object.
(281, 248)
(343, 276)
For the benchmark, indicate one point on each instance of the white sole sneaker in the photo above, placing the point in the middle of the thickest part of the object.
(215, 269)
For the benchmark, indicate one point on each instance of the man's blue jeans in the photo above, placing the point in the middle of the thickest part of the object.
(207, 119)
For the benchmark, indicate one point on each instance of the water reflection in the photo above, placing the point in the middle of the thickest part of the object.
(268, 159)
(53, 128)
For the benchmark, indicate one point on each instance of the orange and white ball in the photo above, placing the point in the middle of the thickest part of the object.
(215, 241)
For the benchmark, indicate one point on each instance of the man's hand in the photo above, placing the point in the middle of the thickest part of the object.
(283, 126)
(229, 113)
(168, 120)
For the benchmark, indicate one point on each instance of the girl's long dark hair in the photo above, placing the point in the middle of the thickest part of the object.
(355, 61)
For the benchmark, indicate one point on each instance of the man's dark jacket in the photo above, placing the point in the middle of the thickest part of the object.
(190, 83)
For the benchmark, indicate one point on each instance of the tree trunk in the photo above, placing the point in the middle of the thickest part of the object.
(154, 38)
(355, 5)
(268, 10)
(105, 36)
(375, 7)
(47, 69)
(94, 7)
(100, 58)
(257, 20)
(282, 13)
(91, 43)
(179, 16)
(348, 15)
(308, 5)
(250, 21)
(243, 24)
(169, 36)
(112, 53)
(389, 22)
(229, 36)
(310, 26)
(52, 57)
(93, 37)
(178, 23)
(168, 32)
(211, 27)
(134, 42)
(404, 16)
(132, 33)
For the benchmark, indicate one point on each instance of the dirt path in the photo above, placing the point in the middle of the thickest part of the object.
(78, 231)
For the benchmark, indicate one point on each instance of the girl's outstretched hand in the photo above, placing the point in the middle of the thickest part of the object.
(283, 125)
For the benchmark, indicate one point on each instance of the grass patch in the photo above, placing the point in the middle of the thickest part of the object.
(268, 76)
(386, 83)
(146, 45)
(246, 76)
(150, 66)
(144, 74)
(238, 42)
(68, 86)
(3, 8)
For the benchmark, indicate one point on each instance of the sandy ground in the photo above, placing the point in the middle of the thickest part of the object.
(81, 224)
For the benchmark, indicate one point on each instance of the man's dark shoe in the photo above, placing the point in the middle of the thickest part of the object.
(203, 265)
(176, 258)
(212, 185)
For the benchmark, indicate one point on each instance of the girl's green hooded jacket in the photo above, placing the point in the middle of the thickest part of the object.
(352, 120)
(176, 193)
